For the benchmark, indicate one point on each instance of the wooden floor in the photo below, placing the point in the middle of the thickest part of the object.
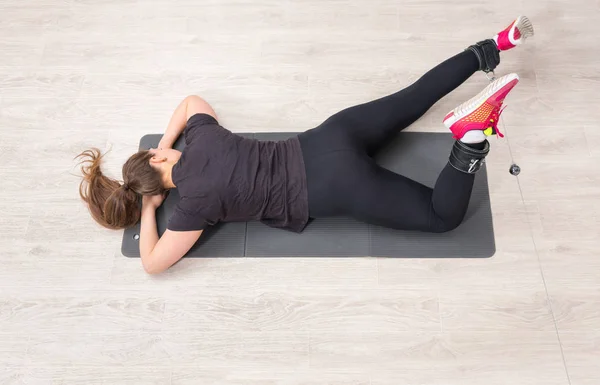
(81, 73)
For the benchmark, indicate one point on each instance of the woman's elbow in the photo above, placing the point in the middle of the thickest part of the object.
(193, 98)
(152, 268)
(196, 105)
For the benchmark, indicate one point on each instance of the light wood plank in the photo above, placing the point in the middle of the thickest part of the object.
(319, 310)
(549, 216)
(492, 309)
(13, 349)
(592, 137)
(22, 52)
(97, 349)
(80, 312)
(39, 83)
(24, 20)
(250, 350)
(581, 351)
(569, 263)
(14, 219)
(190, 376)
(38, 267)
(472, 352)
(116, 374)
(13, 376)
(459, 376)
(579, 170)
(93, 17)
(576, 309)
(147, 51)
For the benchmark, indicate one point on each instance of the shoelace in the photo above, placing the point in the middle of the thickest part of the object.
(495, 119)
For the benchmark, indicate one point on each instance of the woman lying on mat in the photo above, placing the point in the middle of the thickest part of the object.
(325, 171)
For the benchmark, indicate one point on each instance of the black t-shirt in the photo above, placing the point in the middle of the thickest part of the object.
(223, 177)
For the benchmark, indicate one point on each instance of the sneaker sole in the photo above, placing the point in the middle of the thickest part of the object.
(477, 101)
(525, 28)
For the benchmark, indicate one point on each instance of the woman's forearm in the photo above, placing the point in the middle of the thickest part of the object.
(176, 125)
(148, 232)
(191, 105)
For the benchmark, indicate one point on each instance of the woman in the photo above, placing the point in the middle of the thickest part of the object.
(322, 172)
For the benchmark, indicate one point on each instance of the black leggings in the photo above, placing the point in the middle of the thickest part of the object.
(343, 179)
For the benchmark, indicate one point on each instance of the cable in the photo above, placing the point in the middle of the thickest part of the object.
(514, 169)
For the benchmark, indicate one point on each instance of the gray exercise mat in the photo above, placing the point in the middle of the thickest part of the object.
(420, 156)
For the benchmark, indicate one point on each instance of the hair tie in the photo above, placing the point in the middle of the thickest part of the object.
(125, 186)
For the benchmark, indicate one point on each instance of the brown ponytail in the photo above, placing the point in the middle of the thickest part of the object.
(112, 204)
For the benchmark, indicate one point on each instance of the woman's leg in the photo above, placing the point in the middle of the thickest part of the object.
(349, 182)
(371, 125)
(394, 201)
(343, 181)
(358, 188)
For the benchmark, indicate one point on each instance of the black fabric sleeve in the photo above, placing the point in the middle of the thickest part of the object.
(193, 126)
(185, 220)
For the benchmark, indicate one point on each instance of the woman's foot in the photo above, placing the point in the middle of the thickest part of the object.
(514, 34)
(488, 51)
(477, 118)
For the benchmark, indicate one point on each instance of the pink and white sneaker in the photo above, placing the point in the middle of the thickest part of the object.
(514, 34)
(483, 111)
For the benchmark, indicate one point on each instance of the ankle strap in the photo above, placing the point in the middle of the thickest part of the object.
(467, 159)
(487, 53)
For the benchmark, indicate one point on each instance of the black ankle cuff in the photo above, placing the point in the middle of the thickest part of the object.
(467, 159)
(487, 53)
(477, 146)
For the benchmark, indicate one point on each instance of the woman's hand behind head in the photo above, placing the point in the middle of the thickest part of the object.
(154, 201)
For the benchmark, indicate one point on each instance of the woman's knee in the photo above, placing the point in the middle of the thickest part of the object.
(439, 225)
